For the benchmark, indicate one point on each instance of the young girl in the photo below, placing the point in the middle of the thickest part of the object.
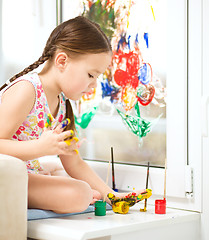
(76, 53)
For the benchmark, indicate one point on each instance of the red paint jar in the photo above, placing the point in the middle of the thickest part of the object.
(160, 206)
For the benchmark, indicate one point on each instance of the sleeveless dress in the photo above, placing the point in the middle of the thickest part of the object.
(33, 125)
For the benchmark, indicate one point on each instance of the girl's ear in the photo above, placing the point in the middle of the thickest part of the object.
(61, 60)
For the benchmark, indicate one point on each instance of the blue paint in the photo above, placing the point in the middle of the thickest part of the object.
(108, 90)
(146, 38)
(144, 75)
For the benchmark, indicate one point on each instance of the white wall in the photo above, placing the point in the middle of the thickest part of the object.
(205, 140)
(25, 26)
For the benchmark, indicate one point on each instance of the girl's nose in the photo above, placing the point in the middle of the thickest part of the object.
(93, 84)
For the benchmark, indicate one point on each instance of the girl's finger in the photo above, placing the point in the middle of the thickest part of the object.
(49, 121)
(67, 149)
(65, 135)
(62, 125)
(76, 151)
(68, 141)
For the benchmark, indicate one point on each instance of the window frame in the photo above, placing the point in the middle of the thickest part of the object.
(183, 130)
(188, 122)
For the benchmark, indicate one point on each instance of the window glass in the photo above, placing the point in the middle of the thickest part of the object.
(127, 111)
(23, 33)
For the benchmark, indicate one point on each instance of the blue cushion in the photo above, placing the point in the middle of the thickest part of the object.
(34, 214)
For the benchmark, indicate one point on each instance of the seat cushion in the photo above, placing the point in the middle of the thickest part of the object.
(35, 214)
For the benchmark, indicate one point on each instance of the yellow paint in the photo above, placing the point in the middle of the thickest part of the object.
(76, 139)
(120, 207)
(76, 150)
(68, 142)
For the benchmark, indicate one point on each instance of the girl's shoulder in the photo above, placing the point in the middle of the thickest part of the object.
(19, 88)
(31, 77)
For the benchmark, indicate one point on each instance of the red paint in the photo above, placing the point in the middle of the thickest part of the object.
(121, 77)
(160, 206)
(147, 95)
(132, 63)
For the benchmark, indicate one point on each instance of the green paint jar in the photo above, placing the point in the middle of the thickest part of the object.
(100, 208)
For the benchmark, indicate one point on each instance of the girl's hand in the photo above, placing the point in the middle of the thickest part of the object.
(52, 142)
(125, 195)
(96, 196)
(122, 195)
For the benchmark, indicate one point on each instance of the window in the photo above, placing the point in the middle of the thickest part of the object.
(24, 31)
(178, 128)
(142, 25)
(178, 45)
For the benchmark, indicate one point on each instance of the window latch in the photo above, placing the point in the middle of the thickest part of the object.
(188, 181)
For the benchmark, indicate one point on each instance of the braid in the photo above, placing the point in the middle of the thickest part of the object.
(30, 68)
(3, 86)
(48, 52)
(70, 115)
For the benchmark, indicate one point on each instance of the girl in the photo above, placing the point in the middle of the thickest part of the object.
(76, 53)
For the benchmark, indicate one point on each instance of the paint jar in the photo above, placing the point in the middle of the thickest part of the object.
(100, 208)
(160, 206)
(120, 207)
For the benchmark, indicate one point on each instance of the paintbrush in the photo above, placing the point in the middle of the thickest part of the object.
(165, 179)
(108, 171)
(145, 201)
(113, 171)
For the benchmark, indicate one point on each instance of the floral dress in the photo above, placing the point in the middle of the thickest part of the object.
(33, 126)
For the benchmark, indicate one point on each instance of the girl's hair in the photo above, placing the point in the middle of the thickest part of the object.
(76, 36)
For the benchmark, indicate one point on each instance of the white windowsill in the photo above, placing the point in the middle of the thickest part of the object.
(175, 224)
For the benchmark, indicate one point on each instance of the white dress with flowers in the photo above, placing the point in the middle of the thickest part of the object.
(33, 126)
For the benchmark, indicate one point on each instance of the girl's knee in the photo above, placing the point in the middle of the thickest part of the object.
(85, 194)
(77, 197)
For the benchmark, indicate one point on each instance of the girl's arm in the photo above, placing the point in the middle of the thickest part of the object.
(16, 104)
(50, 143)
(79, 169)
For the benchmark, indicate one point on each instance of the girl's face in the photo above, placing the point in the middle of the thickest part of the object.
(80, 74)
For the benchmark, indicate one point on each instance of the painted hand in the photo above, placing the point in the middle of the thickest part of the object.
(121, 203)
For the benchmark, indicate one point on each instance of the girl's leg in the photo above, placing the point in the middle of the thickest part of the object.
(59, 194)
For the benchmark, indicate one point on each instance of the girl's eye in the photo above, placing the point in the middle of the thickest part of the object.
(91, 76)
